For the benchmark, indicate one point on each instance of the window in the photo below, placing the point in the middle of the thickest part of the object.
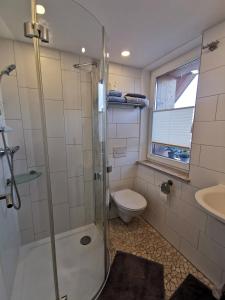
(172, 118)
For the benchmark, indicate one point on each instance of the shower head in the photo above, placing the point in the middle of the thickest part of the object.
(7, 70)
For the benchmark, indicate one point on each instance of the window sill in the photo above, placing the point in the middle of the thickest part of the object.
(184, 176)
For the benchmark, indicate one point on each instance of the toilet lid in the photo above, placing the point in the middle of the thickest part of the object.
(129, 199)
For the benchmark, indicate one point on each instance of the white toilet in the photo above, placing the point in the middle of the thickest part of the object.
(129, 204)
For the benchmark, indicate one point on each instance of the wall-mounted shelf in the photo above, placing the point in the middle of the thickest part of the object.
(27, 177)
(125, 104)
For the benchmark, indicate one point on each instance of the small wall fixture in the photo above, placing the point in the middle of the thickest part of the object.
(211, 46)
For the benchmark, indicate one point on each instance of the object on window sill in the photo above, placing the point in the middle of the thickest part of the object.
(179, 174)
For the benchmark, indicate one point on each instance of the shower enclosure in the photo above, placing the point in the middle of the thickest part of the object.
(53, 175)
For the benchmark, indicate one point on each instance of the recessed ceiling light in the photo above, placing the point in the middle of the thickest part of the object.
(194, 72)
(40, 10)
(125, 53)
(83, 50)
(107, 54)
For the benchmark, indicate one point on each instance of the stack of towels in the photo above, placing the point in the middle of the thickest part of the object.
(115, 96)
(136, 99)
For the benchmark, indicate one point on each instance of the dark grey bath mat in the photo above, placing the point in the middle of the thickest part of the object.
(192, 289)
(133, 278)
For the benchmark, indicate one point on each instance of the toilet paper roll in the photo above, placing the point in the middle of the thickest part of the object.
(163, 197)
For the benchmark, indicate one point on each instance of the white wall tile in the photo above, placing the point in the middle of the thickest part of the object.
(133, 144)
(48, 52)
(68, 59)
(76, 191)
(10, 97)
(25, 214)
(128, 171)
(25, 65)
(202, 262)
(215, 230)
(88, 165)
(73, 127)
(57, 154)
(213, 158)
(115, 174)
(212, 250)
(127, 130)
(27, 236)
(40, 216)
(77, 216)
(38, 187)
(183, 227)
(129, 159)
(59, 187)
(125, 115)
(117, 185)
(86, 99)
(61, 217)
(51, 78)
(201, 177)
(30, 108)
(115, 143)
(220, 113)
(87, 133)
(195, 154)
(34, 147)
(109, 115)
(111, 130)
(146, 173)
(89, 202)
(71, 90)
(7, 53)
(188, 194)
(140, 186)
(16, 137)
(205, 109)
(54, 118)
(212, 82)
(209, 133)
(74, 160)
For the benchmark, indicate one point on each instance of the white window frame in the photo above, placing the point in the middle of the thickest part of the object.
(168, 67)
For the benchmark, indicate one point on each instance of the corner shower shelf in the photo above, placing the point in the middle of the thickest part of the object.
(125, 104)
(27, 177)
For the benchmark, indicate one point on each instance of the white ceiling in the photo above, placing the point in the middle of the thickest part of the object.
(151, 29)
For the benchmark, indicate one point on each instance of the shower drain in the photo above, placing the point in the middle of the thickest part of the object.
(85, 240)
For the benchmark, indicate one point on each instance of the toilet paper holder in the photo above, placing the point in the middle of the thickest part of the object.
(166, 187)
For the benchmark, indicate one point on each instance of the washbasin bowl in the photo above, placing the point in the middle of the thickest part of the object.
(212, 199)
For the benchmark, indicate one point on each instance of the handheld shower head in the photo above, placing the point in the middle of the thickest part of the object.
(7, 70)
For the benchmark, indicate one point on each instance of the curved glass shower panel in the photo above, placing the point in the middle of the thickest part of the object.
(73, 91)
(25, 249)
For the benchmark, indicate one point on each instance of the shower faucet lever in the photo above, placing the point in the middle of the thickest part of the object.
(8, 199)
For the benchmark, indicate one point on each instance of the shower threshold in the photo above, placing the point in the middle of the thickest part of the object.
(80, 268)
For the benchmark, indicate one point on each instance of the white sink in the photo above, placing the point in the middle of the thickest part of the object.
(212, 199)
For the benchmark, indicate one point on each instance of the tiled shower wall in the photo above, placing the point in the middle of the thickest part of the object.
(123, 127)
(9, 230)
(199, 236)
(67, 96)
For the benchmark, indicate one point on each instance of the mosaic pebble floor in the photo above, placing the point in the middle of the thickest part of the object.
(141, 239)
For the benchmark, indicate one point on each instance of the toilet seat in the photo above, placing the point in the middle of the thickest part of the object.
(129, 200)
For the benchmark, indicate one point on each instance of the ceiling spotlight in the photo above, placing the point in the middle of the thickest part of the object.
(107, 54)
(83, 50)
(125, 53)
(194, 72)
(40, 10)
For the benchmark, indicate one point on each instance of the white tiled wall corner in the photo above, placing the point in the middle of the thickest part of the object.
(198, 236)
(71, 90)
